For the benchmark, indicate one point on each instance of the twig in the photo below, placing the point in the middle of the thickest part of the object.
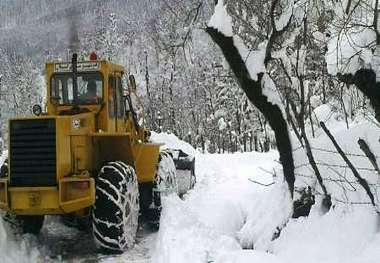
(256, 182)
(269, 172)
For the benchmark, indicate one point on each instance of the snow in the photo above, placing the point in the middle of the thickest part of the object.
(222, 124)
(12, 250)
(228, 218)
(221, 20)
(283, 20)
(204, 226)
(271, 92)
(323, 112)
(352, 50)
(170, 141)
(254, 59)
(338, 236)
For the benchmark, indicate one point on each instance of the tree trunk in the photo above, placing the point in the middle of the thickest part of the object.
(253, 90)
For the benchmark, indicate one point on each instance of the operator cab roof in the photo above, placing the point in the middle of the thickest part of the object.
(85, 66)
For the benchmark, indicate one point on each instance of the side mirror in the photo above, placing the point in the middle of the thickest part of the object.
(37, 110)
(132, 83)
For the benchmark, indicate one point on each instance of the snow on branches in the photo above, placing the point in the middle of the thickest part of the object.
(249, 69)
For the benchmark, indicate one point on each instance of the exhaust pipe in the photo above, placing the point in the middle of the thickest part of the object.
(74, 62)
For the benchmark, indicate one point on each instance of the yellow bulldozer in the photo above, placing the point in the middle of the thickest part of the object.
(88, 157)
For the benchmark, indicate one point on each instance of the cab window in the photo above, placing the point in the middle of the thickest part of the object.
(111, 96)
(90, 89)
(120, 98)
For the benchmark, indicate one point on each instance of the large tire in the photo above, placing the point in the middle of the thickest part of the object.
(116, 209)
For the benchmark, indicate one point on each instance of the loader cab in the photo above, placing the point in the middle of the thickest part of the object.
(89, 91)
(99, 90)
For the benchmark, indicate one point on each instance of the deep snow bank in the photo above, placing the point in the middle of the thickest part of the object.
(342, 235)
(204, 226)
(226, 211)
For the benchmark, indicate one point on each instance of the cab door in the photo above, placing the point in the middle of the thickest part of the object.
(116, 105)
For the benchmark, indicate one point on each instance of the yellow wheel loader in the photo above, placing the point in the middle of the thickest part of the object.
(86, 156)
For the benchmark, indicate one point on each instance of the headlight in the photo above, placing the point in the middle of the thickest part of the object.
(37, 110)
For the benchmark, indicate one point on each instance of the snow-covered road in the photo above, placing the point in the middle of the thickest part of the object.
(60, 243)
(204, 222)
(220, 220)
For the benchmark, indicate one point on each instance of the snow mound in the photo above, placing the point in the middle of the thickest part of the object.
(323, 112)
(228, 218)
(268, 212)
(338, 178)
(171, 141)
(204, 226)
(336, 237)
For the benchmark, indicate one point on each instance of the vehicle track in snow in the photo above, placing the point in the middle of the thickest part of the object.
(58, 242)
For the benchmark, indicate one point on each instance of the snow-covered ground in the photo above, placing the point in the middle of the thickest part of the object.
(227, 212)
(230, 216)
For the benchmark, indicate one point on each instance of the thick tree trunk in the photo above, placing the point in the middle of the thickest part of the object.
(253, 90)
